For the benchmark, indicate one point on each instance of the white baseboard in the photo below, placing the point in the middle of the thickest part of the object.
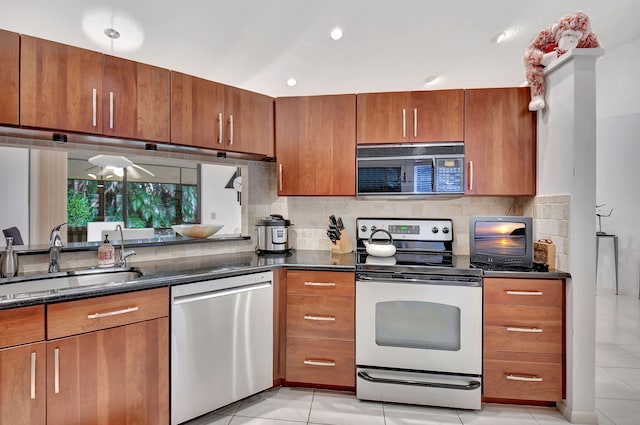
(576, 417)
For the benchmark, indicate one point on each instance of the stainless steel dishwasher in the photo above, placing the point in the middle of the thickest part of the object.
(221, 343)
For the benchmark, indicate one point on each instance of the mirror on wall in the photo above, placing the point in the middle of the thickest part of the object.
(86, 190)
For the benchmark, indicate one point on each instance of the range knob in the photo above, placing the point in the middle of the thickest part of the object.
(373, 228)
(445, 229)
(363, 228)
(434, 229)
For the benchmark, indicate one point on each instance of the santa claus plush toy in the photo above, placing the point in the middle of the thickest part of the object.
(571, 32)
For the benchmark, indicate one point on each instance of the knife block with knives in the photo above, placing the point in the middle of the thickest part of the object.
(340, 240)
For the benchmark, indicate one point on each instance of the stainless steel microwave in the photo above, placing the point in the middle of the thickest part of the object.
(410, 169)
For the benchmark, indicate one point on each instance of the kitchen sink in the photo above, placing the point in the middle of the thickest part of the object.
(47, 283)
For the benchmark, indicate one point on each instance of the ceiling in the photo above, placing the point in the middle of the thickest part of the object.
(388, 45)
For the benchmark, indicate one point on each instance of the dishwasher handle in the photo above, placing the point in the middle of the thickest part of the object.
(219, 293)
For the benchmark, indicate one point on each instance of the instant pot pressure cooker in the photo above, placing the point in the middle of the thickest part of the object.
(273, 235)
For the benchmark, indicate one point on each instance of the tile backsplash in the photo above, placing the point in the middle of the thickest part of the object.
(310, 214)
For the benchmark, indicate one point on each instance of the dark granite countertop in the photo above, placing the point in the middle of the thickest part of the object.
(177, 271)
(167, 272)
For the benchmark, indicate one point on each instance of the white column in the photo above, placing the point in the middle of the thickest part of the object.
(567, 165)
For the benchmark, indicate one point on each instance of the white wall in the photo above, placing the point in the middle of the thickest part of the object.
(218, 200)
(618, 169)
(567, 165)
(14, 190)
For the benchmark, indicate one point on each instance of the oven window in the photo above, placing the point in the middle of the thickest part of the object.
(417, 324)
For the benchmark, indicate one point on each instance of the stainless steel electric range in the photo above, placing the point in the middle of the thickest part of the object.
(418, 317)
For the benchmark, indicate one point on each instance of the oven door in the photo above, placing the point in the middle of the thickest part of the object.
(421, 324)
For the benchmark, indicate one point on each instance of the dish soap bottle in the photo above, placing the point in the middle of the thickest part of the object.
(106, 253)
(9, 260)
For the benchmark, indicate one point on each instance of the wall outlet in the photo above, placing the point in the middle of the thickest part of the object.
(213, 216)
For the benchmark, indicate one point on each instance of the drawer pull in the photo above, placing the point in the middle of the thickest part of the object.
(538, 293)
(326, 318)
(319, 284)
(531, 330)
(328, 363)
(56, 370)
(33, 375)
(524, 378)
(112, 313)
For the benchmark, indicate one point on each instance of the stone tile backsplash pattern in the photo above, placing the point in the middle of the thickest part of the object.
(551, 220)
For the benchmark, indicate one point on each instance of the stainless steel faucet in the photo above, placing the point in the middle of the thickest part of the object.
(55, 243)
(122, 260)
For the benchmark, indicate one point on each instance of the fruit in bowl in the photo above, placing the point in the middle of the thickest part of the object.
(199, 231)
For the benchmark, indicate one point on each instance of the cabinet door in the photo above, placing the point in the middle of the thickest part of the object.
(249, 122)
(197, 115)
(437, 116)
(60, 86)
(383, 117)
(315, 145)
(500, 142)
(135, 100)
(115, 376)
(22, 385)
(9, 77)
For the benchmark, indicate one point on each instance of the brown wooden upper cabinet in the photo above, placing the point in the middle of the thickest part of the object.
(60, 86)
(135, 100)
(500, 142)
(316, 145)
(249, 121)
(211, 115)
(420, 116)
(9, 77)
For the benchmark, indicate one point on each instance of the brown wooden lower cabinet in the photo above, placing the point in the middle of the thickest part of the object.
(322, 362)
(523, 340)
(114, 376)
(522, 380)
(22, 385)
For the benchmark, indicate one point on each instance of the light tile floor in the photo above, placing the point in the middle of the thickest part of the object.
(617, 390)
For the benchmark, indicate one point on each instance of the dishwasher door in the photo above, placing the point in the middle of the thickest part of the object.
(221, 343)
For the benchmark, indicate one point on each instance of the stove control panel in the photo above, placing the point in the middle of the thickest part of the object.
(425, 229)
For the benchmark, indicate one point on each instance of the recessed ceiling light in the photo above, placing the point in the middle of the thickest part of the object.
(111, 33)
(430, 79)
(336, 34)
(499, 38)
(291, 82)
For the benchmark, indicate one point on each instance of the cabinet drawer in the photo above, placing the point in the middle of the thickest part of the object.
(321, 362)
(546, 339)
(76, 317)
(21, 325)
(320, 283)
(320, 317)
(523, 291)
(511, 315)
(520, 380)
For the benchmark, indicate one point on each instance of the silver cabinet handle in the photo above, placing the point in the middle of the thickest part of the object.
(537, 293)
(111, 109)
(524, 378)
(280, 175)
(415, 122)
(530, 330)
(319, 284)
(321, 318)
(33, 375)
(220, 127)
(404, 123)
(112, 313)
(56, 370)
(95, 107)
(328, 363)
(470, 175)
(231, 129)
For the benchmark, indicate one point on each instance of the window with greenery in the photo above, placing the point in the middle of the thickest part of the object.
(158, 198)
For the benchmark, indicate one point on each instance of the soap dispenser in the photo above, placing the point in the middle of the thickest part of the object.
(106, 253)
(9, 267)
